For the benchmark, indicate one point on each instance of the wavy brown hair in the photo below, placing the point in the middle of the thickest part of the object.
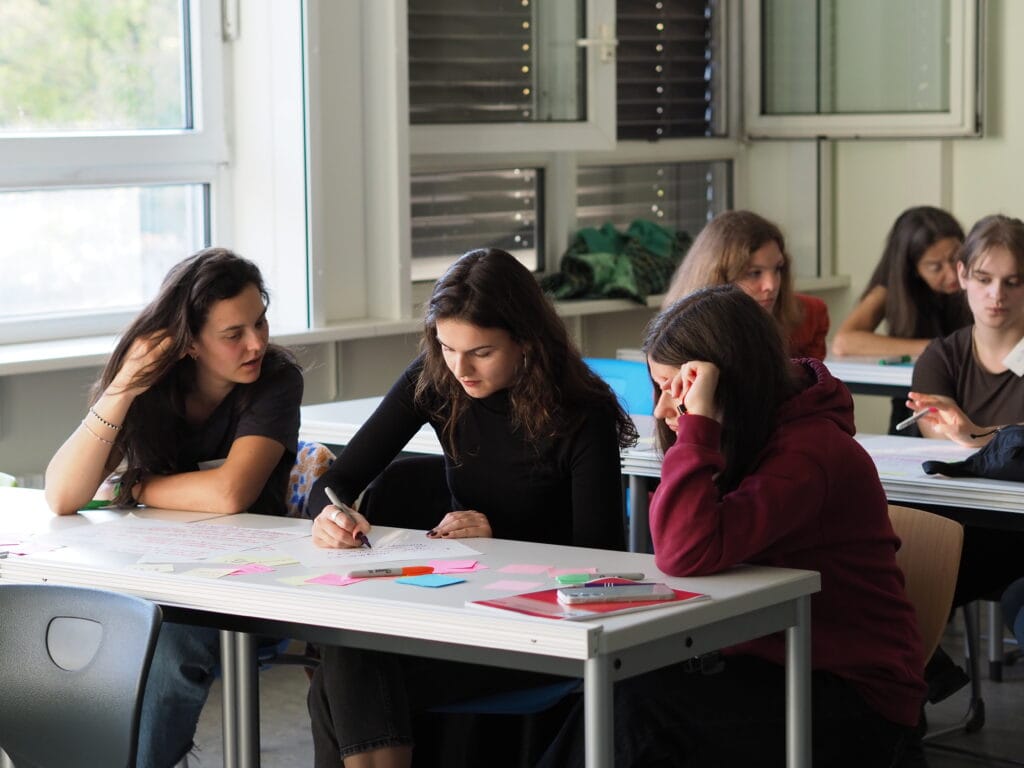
(912, 309)
(553, 388)
(721, 254)
(724, 326)
(146, 443)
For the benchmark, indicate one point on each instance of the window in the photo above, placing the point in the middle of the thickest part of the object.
(110, 142)
(669, 69)
(862, 68)
(510, 75)
(456, 212)
(678, 196)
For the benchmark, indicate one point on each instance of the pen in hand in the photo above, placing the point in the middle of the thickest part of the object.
(347, 512)
(914, 419)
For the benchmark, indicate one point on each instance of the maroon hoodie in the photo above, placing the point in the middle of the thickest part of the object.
(813, 500)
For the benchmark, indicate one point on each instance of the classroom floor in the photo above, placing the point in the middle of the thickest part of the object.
(286, 742)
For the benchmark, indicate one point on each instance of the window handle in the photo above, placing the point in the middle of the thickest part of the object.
(605, 44)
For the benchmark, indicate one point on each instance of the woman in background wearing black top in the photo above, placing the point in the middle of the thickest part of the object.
(914, 289)
(531, 439)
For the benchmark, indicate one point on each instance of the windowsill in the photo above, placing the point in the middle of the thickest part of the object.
(92, 351)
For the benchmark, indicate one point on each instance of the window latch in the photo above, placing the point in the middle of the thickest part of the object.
(605, 43)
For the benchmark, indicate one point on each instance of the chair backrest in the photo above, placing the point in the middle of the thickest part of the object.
(629, 379)
(930, 560)
(73, 666)
(311, 461)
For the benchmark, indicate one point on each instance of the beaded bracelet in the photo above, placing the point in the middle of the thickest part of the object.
(91, 432)
(103, 421)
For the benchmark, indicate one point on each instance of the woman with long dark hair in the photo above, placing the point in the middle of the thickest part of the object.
(192, 383)
(913, 289)
(761, 467)
(531, 438)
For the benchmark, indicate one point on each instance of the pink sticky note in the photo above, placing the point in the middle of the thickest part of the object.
(513, 585)
(525, 568)
(251, 568)
(456, 566)
(333, 579)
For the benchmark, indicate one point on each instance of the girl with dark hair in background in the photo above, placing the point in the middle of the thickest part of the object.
(914, 289)
(193, 380)
(531, 440)
(761, 467)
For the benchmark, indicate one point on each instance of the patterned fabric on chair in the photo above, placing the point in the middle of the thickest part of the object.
(311, 461)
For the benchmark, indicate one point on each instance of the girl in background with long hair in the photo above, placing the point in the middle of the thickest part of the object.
(746, 250)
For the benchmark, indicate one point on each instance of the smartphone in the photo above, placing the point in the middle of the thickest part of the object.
(612, 593)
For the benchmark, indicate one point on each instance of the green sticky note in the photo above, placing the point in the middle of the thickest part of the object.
(430, 580)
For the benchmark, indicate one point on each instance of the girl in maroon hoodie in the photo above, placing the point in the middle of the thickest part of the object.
(761, 467)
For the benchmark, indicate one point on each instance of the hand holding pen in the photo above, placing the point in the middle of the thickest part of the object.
(341, 517)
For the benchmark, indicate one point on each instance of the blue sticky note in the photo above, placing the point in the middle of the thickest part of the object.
(430, 580)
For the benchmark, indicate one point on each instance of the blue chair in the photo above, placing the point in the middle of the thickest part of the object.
(629, 379)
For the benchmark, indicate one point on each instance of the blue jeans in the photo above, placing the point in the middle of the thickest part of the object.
(180, 676)
(1013, 609)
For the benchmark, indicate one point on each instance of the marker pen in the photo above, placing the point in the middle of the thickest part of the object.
(408, 570)
(583, 578)
(346, 510)
(914, 419)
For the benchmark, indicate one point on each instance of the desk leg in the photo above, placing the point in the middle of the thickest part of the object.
(248, 692)
(798, 687)
(639, 509)
(229, 685)
(598, 703)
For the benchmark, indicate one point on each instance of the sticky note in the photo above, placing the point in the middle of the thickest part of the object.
(430, 580)
(333, 579)
(251, 568)
(456, 566)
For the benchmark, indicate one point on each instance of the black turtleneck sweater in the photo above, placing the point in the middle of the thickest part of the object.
(558, 491)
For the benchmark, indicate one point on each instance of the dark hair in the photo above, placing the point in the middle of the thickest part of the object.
(724, 326)
(989, 232)
(912, 309)
(180, 310)
(722, 253)
(553, 387)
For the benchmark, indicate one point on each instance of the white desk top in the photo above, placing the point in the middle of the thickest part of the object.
(381, 606)
(867, 370)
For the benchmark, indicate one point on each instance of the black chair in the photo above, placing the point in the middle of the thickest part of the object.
(75, 663)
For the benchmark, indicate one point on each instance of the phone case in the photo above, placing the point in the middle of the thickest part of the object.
(615, 593)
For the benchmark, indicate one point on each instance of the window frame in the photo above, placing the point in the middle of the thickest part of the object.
(964, 117)
(42, 161)
(597, 131)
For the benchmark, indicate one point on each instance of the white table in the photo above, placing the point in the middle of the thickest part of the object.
(335, 424)
(746, 602)
(866, 376)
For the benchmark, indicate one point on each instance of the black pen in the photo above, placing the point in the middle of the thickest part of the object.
(346, 510)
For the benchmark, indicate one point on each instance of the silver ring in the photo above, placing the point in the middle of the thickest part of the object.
(334, 516)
